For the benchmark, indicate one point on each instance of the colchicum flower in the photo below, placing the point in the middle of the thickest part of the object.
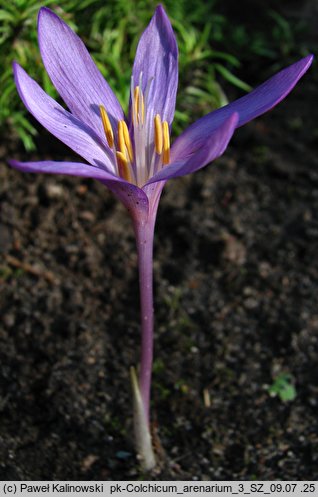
(132, 155)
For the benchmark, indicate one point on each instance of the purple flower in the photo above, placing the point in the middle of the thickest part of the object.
(129, 162)
(132, 155)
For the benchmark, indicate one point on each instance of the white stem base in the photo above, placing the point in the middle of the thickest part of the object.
(141, 427)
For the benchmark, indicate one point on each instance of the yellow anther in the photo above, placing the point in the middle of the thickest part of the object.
(107, 126)
(121, 138)
(128, 142)
(123, 166)
(166, 143)
(136, 100)
(139, 105)
(158, 134)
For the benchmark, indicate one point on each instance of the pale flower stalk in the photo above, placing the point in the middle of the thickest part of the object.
(132, 155)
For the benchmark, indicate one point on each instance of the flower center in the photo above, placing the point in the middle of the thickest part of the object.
(144, 149)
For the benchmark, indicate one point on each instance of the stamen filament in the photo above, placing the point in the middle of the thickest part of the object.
(166, 143)
(107, 126)
(123, 167)
(158, 134)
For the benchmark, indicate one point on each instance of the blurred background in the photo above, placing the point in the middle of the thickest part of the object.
(221, 45)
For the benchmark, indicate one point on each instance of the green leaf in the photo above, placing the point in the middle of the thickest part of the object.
(231, 78)
(283, 387)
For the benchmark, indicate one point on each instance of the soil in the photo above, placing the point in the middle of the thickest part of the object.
(236, 275)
